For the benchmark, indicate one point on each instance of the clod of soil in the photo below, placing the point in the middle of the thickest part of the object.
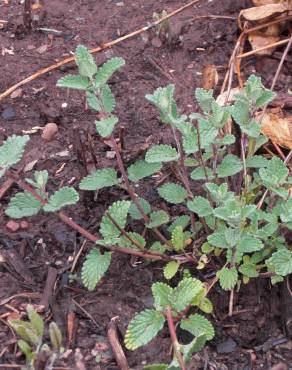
(50, 131)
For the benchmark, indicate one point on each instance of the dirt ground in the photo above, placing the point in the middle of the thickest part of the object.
(254, 337)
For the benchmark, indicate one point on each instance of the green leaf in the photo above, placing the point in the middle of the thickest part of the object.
(94, 268)
(74, 82)
(105, 127)
(36, 321)
(163, 100)
(198, 325)
(220, 193)
(135, 213)
(225, 140)
(108, 99)
(256, 161)
(55, 336)
(92, 101)
(155, 367)
(182, 221)
(99, 179)
(118, 211)
(61, 198)
(124, 242)
(208, 133)
(249, 270)
(170, 269)
(25, 348)
(105, 72)
(85, 62)
(201, 206)
(199, 174)
(195, 346)
(162, 294)
(178, 238)
(275, 173)
(26, 331)
(173, 193)
(11, 151)
(158, 218)
(205, 99)
(161, 153)
(22, 205)
(185, 292)
(266, 97)
(41, 179)
(227, 278)
(286, 211)
(158, 247)
(143, 328)
(249, 244)
(205, 305)
(282, 262)
(240, 111)
(218, 239)
(229, 166)
(141, 169)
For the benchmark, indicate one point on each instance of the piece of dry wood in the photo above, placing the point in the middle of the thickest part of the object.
(107, 45)
(117, 349)
(49, 287)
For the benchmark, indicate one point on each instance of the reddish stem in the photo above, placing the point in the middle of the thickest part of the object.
(94, 238)
(174, 339)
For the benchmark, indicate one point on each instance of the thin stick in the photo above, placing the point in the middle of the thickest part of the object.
(77, 256)
(117, 349)
(252, 52)
(86, 313)
(230, 312)
(174, 339)
(107, 45)
(213, 16)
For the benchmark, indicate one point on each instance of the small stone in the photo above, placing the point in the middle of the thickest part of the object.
(110, 154)
(8, 112)
(12, 226)
(24, 225)
(49, 132)
(228, 346)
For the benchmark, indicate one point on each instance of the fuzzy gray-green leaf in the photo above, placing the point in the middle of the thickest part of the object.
(23, 205)
(173, 193)
(74, 82)
(158, 218)
(229, 166)
(118, 211)
(141, 169)
(94, 267)
(11, 151)
(161, 153)
(61, 198)
(197, 325)
(85, 62)
(99, 179)
(105, 72)
(106, 126)
(143, 328)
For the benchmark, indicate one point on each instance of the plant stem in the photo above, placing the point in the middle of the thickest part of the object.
(88, 235)
(201, 159)
(184, 175)
(174, 339)
(131, 191)
(123, 232)
(27, 15)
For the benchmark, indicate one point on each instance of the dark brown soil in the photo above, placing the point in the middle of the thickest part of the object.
(252, 338)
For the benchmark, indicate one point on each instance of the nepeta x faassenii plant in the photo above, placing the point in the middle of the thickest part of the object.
(240, 214)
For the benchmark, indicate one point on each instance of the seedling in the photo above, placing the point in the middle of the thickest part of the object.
(32, 343)
(171, 305)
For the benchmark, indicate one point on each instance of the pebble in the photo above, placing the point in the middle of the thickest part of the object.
(24, 225)
(8, 112)
(12, 226)
(50, 131)
(228, 346)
